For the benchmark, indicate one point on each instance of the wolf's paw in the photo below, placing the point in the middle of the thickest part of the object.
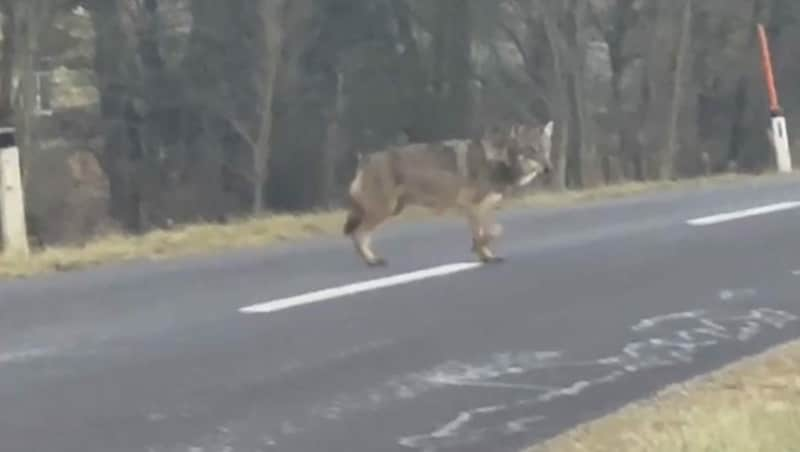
(493, 260)
(379, 262)
(488, 258)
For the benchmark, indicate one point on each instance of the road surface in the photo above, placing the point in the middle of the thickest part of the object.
(596, 306)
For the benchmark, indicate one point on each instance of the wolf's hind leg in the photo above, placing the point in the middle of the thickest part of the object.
(362, 236)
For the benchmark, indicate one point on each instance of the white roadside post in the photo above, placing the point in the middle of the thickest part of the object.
(779, 137)
(12, 199)
(779, 140)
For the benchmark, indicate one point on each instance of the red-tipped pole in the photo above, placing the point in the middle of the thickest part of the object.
(769, 77)
(778, 136)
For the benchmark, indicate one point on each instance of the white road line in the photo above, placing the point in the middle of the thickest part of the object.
(363, 286)
(20, 356)
(739, 214)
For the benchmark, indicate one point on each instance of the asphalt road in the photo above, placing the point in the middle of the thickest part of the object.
(595, 306)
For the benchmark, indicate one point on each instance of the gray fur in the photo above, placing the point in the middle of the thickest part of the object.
(469, 175)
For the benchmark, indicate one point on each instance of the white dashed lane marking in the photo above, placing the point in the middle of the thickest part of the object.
(359, 287)
(444, 270)
(739, 214)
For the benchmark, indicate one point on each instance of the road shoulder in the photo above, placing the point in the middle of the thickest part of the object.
(198, 240)
(752, 404)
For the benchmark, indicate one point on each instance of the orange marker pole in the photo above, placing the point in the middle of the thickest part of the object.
(769, 77)
(778, 135)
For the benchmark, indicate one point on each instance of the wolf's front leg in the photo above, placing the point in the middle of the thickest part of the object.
(483, 232)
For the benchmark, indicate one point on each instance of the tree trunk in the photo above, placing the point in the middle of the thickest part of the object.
(561, 102)
(27, 51)
(574, 156)
(272, 20)
(333, 145)
(7, 10)
(121, 153)
(453, 68)
(615, 37)
(667, 166)
(586, 159)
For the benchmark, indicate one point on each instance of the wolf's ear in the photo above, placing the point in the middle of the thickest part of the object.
(548, 130)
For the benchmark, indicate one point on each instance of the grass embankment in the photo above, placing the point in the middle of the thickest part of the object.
(749, 406)
(248, 233)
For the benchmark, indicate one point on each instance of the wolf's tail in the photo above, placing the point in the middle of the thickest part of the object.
(354, 218)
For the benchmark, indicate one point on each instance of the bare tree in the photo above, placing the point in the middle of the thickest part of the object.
(9, 30)
(666, 168)
(31, 18)
(272, 16)
(209, 109)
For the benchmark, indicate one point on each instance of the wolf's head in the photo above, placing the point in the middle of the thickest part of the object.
(529, 152)
(524, 149)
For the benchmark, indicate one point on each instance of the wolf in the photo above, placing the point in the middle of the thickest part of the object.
(470, 175)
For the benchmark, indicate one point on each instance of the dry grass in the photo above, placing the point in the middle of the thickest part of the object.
(750, 406)
(187, 240)
(633, 188)
(209, 238)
